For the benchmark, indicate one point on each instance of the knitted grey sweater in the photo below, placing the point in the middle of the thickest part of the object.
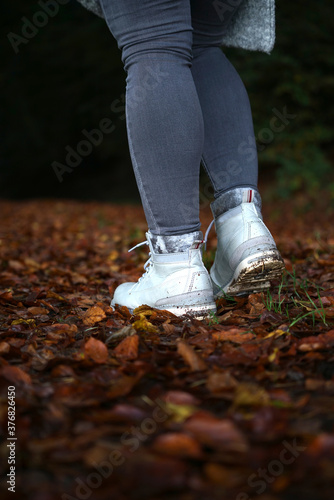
(252, 28)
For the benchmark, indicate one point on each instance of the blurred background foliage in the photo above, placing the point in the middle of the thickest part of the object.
(69, 77)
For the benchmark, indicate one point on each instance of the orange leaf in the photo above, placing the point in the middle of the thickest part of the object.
(128, 348)
(177, 444)
(192, 359)
(220, 381)
(96, 350)
(93, 315)
(37, 311)
(216, 433)
(234, 335)
(4, 348)
(16, 375)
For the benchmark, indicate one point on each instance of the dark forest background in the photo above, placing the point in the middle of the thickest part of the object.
(69, 77)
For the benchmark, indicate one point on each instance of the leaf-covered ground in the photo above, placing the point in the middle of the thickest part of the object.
(151, 406)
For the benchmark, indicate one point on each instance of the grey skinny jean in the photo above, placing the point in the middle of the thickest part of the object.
(185, 104)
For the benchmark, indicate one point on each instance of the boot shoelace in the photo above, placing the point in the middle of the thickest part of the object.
(207, 233)
(148, 263)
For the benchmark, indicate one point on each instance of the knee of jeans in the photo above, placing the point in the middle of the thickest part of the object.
(174, 47)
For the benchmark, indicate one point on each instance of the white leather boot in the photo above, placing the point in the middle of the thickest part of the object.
(247, 259)
(175, 278)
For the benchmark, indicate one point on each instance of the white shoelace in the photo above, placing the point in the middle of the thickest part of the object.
(207, 233)
(148, 263)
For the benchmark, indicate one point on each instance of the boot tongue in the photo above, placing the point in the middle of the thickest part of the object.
(174, 244)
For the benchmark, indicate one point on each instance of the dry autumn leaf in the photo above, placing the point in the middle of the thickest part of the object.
(192, 419)
(193, 360)
(143, 325)
(16, 375)
(127, 348)
(96, 350)
(216, 433)
(177, 444)
(93, 315)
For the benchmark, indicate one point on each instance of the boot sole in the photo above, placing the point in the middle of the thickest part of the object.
(199, 312)
(252, 275)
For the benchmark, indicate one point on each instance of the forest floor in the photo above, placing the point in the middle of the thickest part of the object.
(108, 405)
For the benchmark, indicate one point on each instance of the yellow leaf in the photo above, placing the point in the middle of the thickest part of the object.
(180, 413)
(248, 394)
(273, 355)
(142, 324)
(276, 334)
(21, 320)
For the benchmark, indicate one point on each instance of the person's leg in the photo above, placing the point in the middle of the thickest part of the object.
(229, 152)
(165, 133)
(164, 117)
(246, 259)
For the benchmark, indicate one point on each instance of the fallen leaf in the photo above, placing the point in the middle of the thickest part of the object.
(96, 350)
(190, 357)
(177, 444)
(16, 375)
(93, 315)
(236, 335)
(180, 398)
(220, 381)
(127, 348)
(143, 325)
(4, 348)
(216, 433)
(179, 412)
(37, 311)
(248, 394)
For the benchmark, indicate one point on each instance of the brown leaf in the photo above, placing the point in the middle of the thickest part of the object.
(223, 476)
(7, 296)
(236, 335)
(96, 350)
(215, 432)
(93, 315)
(180, 398)
(62, 328)
(190, 357)
(16, 375)
(249, 394)
(54, 295)
(127, 348)
(220, 381)
(256, 303)
(177, 444)
(37, 311)
(317, 342)
(4, 348)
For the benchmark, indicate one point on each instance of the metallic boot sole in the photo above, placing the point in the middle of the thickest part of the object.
(252, 275)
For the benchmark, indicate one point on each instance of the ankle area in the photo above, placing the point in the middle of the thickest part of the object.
(234, 198)
(181, 243)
